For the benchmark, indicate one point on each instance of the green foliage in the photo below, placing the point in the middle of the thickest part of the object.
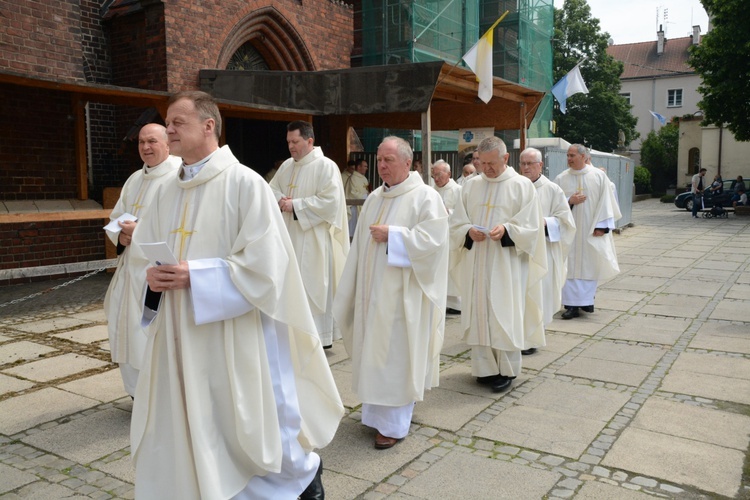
(593, 119)
(723, 61)
(667, 198)
(659, 155)
(642, 180)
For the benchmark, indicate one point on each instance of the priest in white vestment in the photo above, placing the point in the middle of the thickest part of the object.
(311, 197)
(390, 304)
(559, 230)
(356, 187)
(235, 390)
(123, 301)
(450, 192)
(497, 232)
(592, 257)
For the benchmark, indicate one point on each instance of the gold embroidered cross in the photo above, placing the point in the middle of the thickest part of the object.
(182, 232)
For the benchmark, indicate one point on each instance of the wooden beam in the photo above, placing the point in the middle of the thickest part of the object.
(81, 151)
(426, 147)
(55, 216)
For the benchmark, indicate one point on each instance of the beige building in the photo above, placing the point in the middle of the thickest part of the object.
(657, 78)
(713, 148)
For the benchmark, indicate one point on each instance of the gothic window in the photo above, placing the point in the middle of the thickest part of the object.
(247, 58)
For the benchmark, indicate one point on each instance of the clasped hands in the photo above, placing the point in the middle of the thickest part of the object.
(286, 204)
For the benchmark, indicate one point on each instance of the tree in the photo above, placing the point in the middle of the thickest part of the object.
(723, 61)
(593, 119)
(659, 155)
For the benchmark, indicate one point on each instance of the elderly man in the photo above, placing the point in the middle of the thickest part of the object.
(450, 192)
(122, 303)
(390, 305)
(592, 257)
(311, 197)
(467, 173)
(559, 230)
(497, 231)
(356, 187)
(235, 390)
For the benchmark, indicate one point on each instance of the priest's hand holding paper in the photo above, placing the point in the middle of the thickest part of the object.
(497, 232)
(476, 234)
(126, 233)
(168, 277)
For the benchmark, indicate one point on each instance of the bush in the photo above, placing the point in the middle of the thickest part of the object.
(667, 198)
(642, 180)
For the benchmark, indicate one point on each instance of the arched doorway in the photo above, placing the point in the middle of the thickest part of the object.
(694, 160)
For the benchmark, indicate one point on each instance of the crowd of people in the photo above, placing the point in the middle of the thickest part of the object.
(229, 288)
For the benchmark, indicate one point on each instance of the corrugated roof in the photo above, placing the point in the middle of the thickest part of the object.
(642, 61)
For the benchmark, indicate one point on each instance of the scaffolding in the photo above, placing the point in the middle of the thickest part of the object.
(404, 31)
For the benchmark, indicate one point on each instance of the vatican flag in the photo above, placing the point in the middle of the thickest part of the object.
(479, 60)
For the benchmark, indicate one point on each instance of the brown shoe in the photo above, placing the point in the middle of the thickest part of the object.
(384, 442)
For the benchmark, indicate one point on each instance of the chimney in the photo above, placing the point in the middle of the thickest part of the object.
(660, 41)
(696, 35)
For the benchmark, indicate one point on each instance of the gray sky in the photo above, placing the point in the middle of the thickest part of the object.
(630, 21)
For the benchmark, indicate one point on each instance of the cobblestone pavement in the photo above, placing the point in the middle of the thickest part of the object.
(647, 397)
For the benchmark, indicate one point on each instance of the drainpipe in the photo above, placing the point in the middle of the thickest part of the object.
(721, 135)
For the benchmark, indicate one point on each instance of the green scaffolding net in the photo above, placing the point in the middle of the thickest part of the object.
(402, 31)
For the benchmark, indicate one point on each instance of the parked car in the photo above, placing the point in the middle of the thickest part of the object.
(685, 200)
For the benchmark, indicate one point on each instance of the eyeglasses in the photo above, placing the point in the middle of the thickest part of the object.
(529, 163)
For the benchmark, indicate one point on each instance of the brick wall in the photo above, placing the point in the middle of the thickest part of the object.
(41, 38)
(139, 53)
(37, 155)
(196, 32)
(50, 243)
(95, 44)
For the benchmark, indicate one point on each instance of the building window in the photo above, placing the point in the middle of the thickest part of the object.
(626, 96)
(674, 98)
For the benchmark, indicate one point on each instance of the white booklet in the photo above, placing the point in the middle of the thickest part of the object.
(114, 227)
(159, 253)
(482, 229)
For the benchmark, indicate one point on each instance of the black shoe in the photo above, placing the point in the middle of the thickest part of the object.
(327, 346)
(570, 313)
(450, 310)
(502, 383)
(588, 309)
(528, 352)
(314, 490)
(488, 380)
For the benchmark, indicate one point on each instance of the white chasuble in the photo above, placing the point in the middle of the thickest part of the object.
(561, 228)
(205, 418)
(318, 228)
(451, 195)
(591, 257)
(124, 299)
(501, 286)
(392, 318)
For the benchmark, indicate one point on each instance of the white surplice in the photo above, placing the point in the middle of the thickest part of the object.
(355, 188)
(591, 258)
(122, 303)
(206, 418)
(392, 315)
(501, 286)
(318, 228)
(561, 230)
(451, 195)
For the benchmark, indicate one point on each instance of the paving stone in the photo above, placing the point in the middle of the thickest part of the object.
(55, 367)
(678, 460)
(29, 410)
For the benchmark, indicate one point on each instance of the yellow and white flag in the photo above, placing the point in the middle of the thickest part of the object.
(479, 60)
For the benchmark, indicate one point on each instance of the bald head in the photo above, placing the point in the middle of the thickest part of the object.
(152, 144)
